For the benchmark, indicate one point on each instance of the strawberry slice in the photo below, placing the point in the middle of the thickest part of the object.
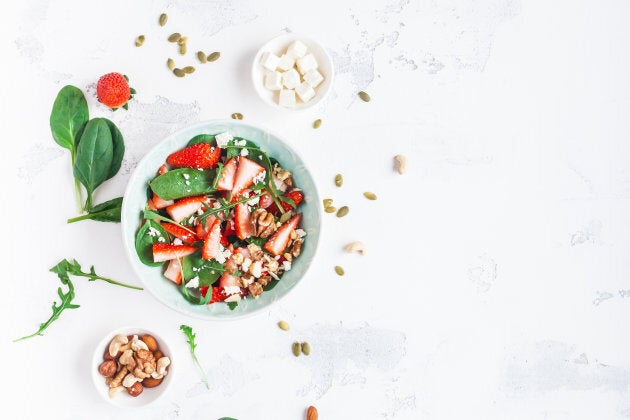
(199, 156)
(265, 201)
(179, 232)
(163, 169)
(296, 195)
(217, 294)
(226, 180)
(204, 227)
(280, 239)
(150, 205)
(243, 222)
(165, 252)
(160, 203)
(246, 172)
(174, 272)
(185, 207)
(212, 242)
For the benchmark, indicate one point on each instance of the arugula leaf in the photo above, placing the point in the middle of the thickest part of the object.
(144, 242)
(74, 268)
(152, 215)
(188, 331)
(256, 240)
(108, 211)
(183, 182)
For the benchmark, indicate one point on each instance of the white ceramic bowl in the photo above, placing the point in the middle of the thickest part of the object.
(278, 46)
(122, 399)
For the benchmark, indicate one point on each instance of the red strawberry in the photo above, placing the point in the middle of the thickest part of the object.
(217, 294)
(243, 222)
(163, 169)
(179, 232)
(212, 242)
(280, 239)
(185, 207)
(245, 173)
(160, 203)
(165, 252)
(198, 156)
(265, 201)
(226, 180)
(296, 195)
(150, 205)
(113, 90)
(204, 227)
(174, 272)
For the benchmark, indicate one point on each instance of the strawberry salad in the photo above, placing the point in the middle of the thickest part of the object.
(223, 220)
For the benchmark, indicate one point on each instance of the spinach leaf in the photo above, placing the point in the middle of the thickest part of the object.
(94, 157)
(108, 211)
(118, 150)
(273, 283)
(183, 182)
(145, 238)
(68, 116)
(208, 271)
(232, 305)
(201, 138)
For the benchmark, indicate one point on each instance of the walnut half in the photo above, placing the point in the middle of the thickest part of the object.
(264, 223)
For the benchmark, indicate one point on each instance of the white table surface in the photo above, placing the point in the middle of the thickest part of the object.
(496, 279)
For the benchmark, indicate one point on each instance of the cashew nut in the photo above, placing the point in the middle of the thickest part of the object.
(162, 363)
(126, 357)
(356, 247)
(114, 391)
(129, 380)
(156, 375)
(400, 162)
(138, 344)
(114, 345)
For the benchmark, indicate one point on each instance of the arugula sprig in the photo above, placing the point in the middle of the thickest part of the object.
(188, 331)
(152, 215)
(224, 207)
(74, 268)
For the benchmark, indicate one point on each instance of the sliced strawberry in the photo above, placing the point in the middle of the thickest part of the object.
(163, 169)
(246, 172)
(200, 156)
(226, 180)
(229, 228)
(160, 203)
(296, 195)
(280, 239)
(201, 232)
(150, 205)
(212, 242)
(165, 252)
(174, 272)
(185, 207)
(243, 222)
(217, 294)
(265, 201)
(179, 232)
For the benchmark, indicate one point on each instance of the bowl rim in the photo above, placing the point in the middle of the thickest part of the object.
(131, 252)
(97, 359)
(255, 65)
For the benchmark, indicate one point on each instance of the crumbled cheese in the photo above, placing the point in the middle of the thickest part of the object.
(244, 152)
(153, 231)
(286, 265)
(256, 269)
(253, 201)
(216, 205)
(161, 239)
(177, 241)
(187, 182)
(226, 253)
(242, 142)
(188, 190)
(260, 177)
(300, 233)
(220, 257)
(246, 263)
(191, 220)
(195, 269)
(200, 212)
(233, 298)
(194, 282)
(186, 176)
(223, 139)
(230, 290)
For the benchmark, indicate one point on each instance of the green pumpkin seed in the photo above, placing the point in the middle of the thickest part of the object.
(339, 270)
(330, 209)
(214, 56)
(182, 49)
(201, 56)
(369, 195)
(364, 96)
(306, 348)
(170, 63)
(285, 217)
(317, 123)
(179, 72)
(327, 202)
(237, 116)
(284, 326)
(296, 348)
(140, 41)
(343, 211)
(163, 19)
(189, 69)
(183, 40)
(338, 180)
(174, 37)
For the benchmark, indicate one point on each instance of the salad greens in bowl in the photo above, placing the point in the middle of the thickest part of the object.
(221, 219)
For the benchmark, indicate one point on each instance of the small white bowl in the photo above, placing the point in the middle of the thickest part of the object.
(122, 399)
(278, 46)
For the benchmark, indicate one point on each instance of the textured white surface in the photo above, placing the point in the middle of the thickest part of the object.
(496, 281)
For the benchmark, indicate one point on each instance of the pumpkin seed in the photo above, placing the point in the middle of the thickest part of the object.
(327, 202)
(179, 72)
(330, 209)
(317, 123)
(364, 96)
(140, 41)
(296, 348)
(306, 348)
(338, 180)
(214, 56)
(170, 63)
(182, 49)
(343, 211)
(285, 217)
(163, 19)
(284, 326)
(201, 56)
(182, 40)
(188, 69)
(339, 270)
(237, 116)
(369, 195)
(174, 37)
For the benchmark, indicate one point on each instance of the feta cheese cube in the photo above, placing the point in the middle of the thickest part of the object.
(305, 92)
(286, 62)
(223, 139)
(306, 63)
(269, 60)
(297, 49)
(313, 78)
(273, 80)
(287, 98)
(290, 79)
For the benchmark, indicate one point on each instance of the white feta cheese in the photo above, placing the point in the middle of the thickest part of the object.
(313, 77)
(186, 176)
(227, 253)
(191, 220)
(273, 80)
(297, 49)
(161, 239)
(260, 177)
(306, 63)
(286, 62)
(253, 201)
(200, 212)
(300, 233)
(269, 60)
(244, 152)
(230, 290)
(223, 139)
(177, 241)
(286, 265)
(194, 282)
(305, 92)
(290, 79)
(220, 258)
(241, 142)
(187, 182)
(233, 298)
(287, 98)
(256, 269)
(153, 231)
(246, 263)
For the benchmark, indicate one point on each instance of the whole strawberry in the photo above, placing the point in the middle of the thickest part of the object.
(113, 90)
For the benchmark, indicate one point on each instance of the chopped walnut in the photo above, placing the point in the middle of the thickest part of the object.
(264, 280)
(263, 222)
(281, 174)
(288, 256)
(255, 251)
(296, 249)
(255, 289)
(271, 264)
(247, 279)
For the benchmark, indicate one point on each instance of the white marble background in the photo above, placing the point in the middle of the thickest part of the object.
(496, 282)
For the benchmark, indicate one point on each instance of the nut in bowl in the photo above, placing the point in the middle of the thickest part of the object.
(292, 72)
(132, 367)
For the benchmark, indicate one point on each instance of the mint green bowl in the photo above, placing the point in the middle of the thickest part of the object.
(136, 197)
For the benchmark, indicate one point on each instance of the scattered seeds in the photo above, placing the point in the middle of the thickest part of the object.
(284, 326)
(163, 19)
(328, 202)
(182, 40)
(338, 180)
(140, 41)
(369, 195)
(306, 348)
(285, 217)
(317, 123)
(182, 49)
(174, 37)
(364, 96)
(296, 348)
(356, 246)
(201, 56)
(330, 209)
(189, 69)
(339, 270)
(170, 63)
(179, 72)
(400, 164)
(343, 211)
(237, 116)
(311, 413)
(214, 56)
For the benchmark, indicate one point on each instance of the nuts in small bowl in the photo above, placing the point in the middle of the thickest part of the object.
(131, 367)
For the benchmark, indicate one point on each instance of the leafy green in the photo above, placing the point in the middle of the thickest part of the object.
(191, 343)
(208, 271)
(201, 138)
(183, 182)
(69, 115)
(224, 206)
(118, 150)
(144, 242)
(273, 283)
(108, 211)
(74, 268)
(152, 215)
(232, 305)
(256, 240)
